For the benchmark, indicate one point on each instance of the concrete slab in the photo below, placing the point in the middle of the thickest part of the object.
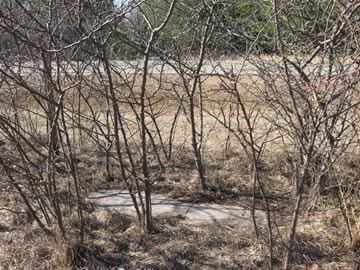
(222, 214)
(162, 206)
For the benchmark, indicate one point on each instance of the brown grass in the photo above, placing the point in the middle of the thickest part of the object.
(113, 239)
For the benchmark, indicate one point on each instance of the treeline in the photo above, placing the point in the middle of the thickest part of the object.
(244, 25)
(238, 26)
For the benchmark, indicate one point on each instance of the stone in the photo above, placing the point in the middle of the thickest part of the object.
(192, 213)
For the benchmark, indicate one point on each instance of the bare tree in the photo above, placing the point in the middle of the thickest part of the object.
(316, 106)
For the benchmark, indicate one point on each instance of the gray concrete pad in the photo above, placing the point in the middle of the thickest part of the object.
(222, 214)
(162, 206)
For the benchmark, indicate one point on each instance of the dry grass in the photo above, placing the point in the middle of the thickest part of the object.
(113, 239)
(111, 242)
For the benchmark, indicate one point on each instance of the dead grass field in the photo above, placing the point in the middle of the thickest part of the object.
(113, 239)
